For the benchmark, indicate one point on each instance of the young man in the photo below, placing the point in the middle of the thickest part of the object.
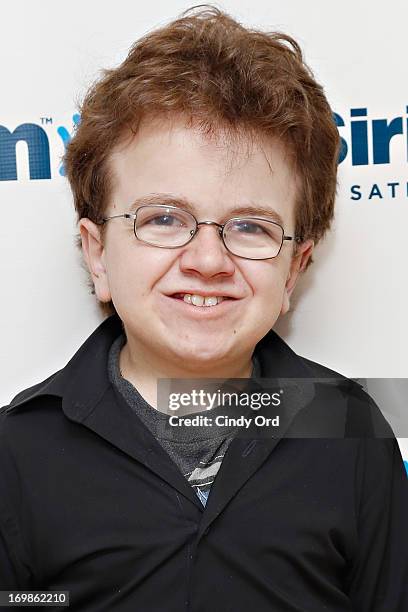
(203, 174)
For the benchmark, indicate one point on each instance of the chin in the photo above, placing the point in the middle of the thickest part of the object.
(200, 353)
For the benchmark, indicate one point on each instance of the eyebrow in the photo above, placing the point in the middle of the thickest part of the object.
(181, 202)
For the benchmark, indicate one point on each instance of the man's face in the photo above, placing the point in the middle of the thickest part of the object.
(215, 178)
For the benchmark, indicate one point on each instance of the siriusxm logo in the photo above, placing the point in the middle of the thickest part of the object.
(38, 147)
(370, 143)
(375, 149)
(364, 142)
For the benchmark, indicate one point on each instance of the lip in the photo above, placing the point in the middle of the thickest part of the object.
(201, 312)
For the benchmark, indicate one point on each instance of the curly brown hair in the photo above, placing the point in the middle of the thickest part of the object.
(220, 76)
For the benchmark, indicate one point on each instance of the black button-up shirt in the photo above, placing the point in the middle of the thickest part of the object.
(90, 503)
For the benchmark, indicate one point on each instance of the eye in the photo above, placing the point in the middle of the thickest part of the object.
(164, 221)
(248, 227)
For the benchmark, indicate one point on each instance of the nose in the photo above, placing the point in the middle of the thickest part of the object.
(206, 254)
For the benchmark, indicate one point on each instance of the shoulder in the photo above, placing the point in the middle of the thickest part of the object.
(31, 425)
(32, 391)
(321, 371)
(40, 395)
(363, 417)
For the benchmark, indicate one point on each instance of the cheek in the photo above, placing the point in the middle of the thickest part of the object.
(134, 270)
(123, 271)
(268, 287)
(267, 280)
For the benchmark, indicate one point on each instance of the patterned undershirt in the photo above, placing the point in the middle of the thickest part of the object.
(197, 451)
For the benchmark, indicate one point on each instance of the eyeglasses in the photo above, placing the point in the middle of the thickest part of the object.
(171, 227)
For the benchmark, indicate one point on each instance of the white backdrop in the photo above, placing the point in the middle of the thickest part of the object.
(349, 311)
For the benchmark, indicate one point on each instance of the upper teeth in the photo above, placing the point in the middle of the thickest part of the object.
(199, 300)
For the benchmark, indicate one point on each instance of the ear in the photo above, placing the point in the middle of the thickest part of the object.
(297, 265)
(94, 254)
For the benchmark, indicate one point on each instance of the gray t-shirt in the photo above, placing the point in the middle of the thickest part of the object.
(198, 452)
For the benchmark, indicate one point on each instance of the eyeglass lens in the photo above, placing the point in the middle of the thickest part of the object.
(245, 237)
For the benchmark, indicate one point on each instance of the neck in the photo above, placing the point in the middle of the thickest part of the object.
(143, 370)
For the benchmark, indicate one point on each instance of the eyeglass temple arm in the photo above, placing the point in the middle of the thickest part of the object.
(295, 238)
(125, 215)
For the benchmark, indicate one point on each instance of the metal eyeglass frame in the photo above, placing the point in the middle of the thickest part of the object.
(195, 231)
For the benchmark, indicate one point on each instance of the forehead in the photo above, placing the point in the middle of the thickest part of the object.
(213, 175)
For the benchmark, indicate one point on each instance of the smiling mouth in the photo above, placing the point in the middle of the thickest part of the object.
(199, 300)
